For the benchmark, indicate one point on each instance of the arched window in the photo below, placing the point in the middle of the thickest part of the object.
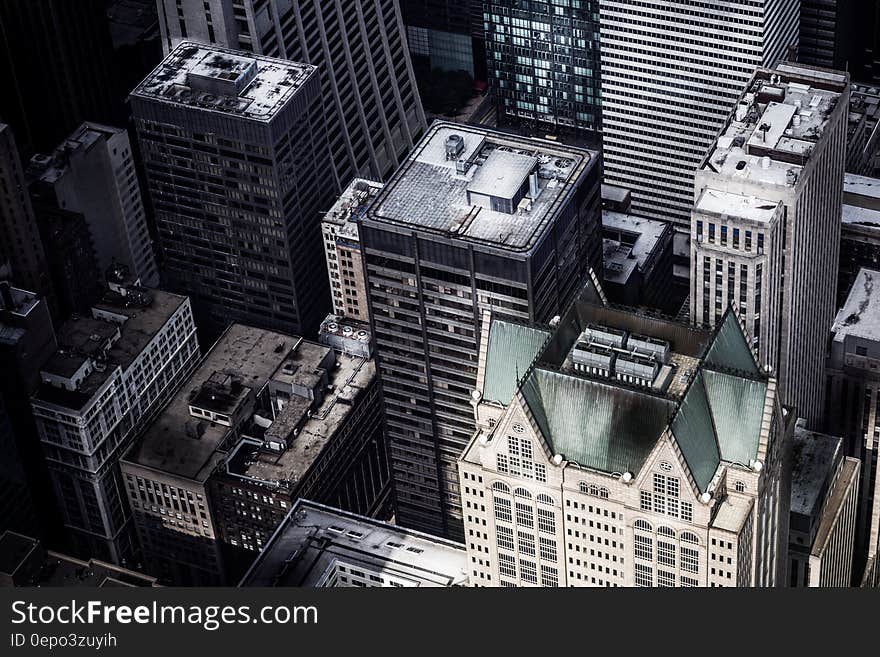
(666, 531)
(688, 537)
(603, 493)
(643, 525)
(584, 488)
(522, 492)
(545, 499)
(740, 487)
(501, 487)
(594, 490)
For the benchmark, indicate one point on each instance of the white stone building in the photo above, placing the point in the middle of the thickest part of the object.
(619, 450)
(765, 227)
(671, 73)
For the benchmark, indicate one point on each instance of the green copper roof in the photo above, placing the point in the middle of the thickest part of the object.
(730, 348)
(597, 425)
(695, 434)
(511, 350)
(737, 408)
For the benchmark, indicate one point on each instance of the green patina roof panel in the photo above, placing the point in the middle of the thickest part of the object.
(737, 408)
(597, 425)
(730, 348)
(693, 430)
(511, 350)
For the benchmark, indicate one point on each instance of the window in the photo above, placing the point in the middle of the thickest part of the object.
(548, 548)
(528, 571)
(522, 492)
(666, 531)
(546, 521)
(666, 553)
(643, 525)
(740, 487)
(689, 582)
(502, 510)
(644, 575)
(502, 464)
(665, 578)
(506, 565)
(688, 537)
(690, 560)
(645, 501)
(643, 547)
(524, 515)
(526, 543)
(545, 499)
(504, 536)
(501, 487)
(549, 576)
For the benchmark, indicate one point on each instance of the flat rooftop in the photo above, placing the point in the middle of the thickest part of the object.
(776, 124)
(860, 315)
(224, 80)
(313, 540)
(351, 206)
(84, 338)
(50, 168)
(351, 378)
(429, 192)
(178, 443)
(727, 204)
(859, 190)
(641, 237)
(813, 460)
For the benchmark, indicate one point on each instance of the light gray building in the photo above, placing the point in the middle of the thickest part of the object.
(113, 370)
(235, 151)
(859, 231)
(474, 219)
(824, 496)
(317, 546)
(671, 73)
(371, 102)
(765, 228)
(92, 173)
(618, 450)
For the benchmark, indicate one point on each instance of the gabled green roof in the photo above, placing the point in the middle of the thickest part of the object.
(730, 348)
(737, 407)
(695, 434)
(600, 426)
(511, 350)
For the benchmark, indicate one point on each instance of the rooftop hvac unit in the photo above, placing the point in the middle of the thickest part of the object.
(347, 330)
(333, 327)
(363, 336)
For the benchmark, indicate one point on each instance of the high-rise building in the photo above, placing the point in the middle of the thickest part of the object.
(20, 245)
(92, 173)
(543, 64)
(265, 417)
(671, 73)
(622, 450)
(370, 99)
(824, 496)
(236, 157)
(318, 546)
(113, 370)
(473, 219)
(852, 406)
(859, 231)
(765, 233)
(56, 70)
(863, 135)
(342, 249)
(448, 34)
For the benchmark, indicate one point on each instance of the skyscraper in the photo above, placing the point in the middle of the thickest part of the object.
(446, 32)
(20, 246)
(473, 219)
(671, 72)
(543, 64)
(370, 98)
(238, 169)
(92, 173)
(765, 233)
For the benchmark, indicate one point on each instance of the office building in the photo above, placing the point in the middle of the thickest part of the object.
(27, 341)
(20, 245)
(543, 65)
(824, 495)
(765, 232)
(863, 135)
(342, 249)
(447, 34)
(859, 231)
(92, 173)
(321, 440)
(638, 260)
(620, 450)
(236, 157)
(56, 70)
(473, 219)
(113, 370)
(671, 73)
(371, 102)
(852, 405)
(317, 546)
(25, 562)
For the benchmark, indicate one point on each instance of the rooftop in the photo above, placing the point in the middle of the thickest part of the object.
(224, 80)
(474, 184)
(860, 315)
(634, 241)
(286, 468)
(97, 345)
(814, 458)
(314, 540)
(50, 168)
(752, 208)
(776, 125)
(860, 189)
(351, 206)
(180, 444)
